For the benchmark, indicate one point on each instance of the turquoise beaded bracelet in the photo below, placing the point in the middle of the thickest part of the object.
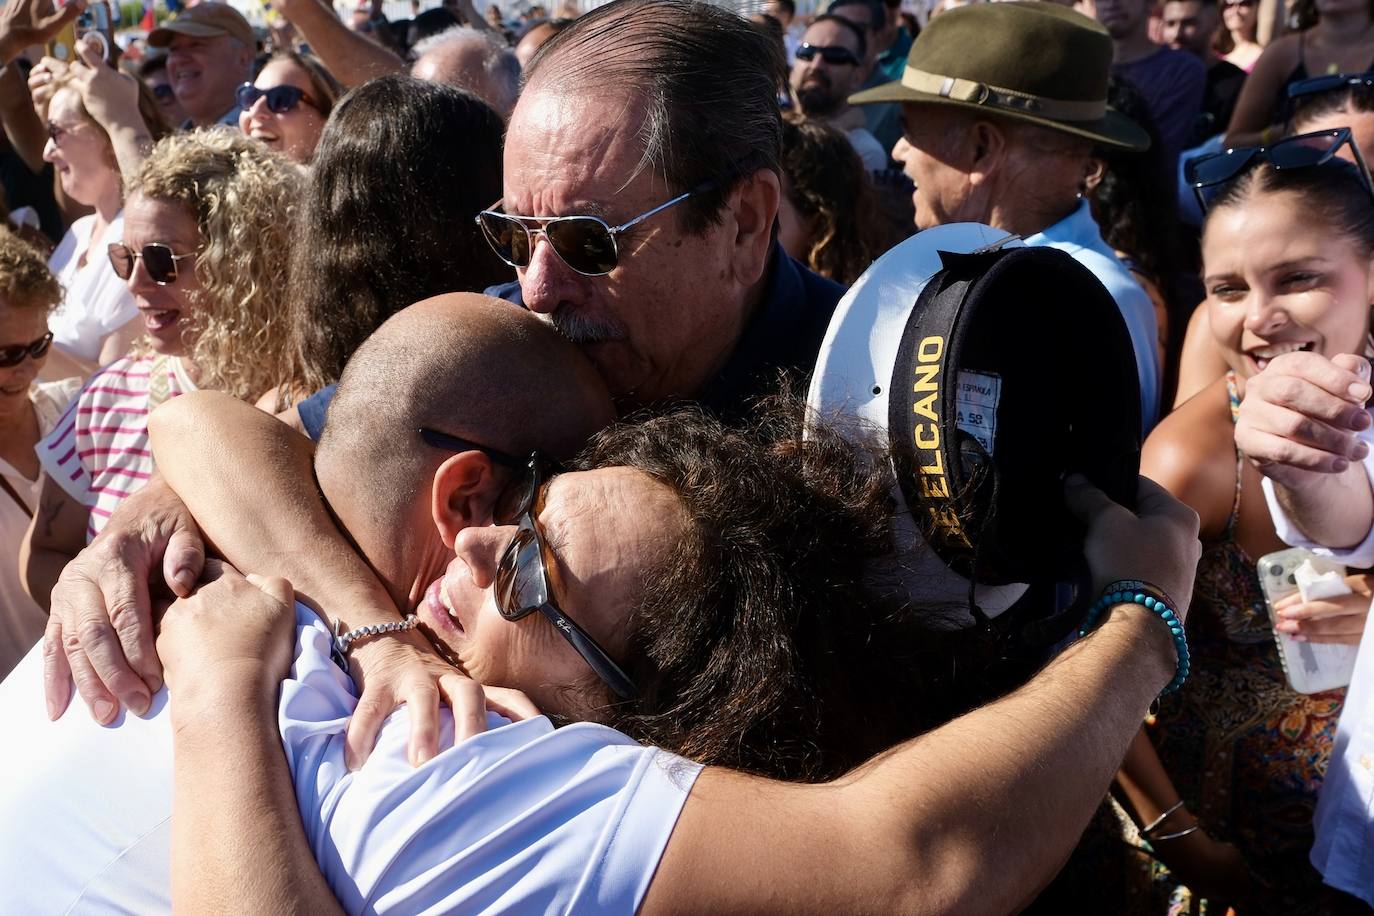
(1134, 593)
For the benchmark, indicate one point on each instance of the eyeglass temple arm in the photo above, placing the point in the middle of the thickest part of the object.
(704, 186)
(444, 440)
(595, 656)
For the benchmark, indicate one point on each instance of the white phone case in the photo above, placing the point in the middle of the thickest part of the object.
(1311, 667)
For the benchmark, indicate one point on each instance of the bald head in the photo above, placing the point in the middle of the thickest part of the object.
(470, 366)
(473, 61)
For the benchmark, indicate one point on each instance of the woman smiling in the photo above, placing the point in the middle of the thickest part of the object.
(286, 106)
(204, 253)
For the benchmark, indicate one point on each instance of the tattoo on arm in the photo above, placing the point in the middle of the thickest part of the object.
(48, 516)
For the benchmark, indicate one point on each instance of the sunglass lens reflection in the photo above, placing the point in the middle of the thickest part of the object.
(519, 578)
(584, 244)
(157, 259)
(508, 237)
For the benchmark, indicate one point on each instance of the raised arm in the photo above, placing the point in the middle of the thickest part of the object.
(258, 504)
(1254, 110)
(229, 843)
(1013, 784)
(26, 131)
(352, 58)
(1302, 424)
(111, 98)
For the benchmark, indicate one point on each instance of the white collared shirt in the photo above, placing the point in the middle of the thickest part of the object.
(523, 818)
(1344, 819)
(1079, 236)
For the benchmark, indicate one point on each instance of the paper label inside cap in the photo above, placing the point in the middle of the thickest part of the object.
(975, 403)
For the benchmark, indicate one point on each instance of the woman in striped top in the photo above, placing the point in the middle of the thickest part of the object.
(205, 243)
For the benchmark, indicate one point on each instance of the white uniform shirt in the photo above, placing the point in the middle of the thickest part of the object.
(523, 818)
(1079, 236)
(95, 302)
(1344, 820)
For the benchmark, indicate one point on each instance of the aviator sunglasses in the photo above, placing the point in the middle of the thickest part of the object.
(15, 354)
(280, 99)
(587, 244)
(522, 578)
(831, 54)
(158, 260)
(1207, 175)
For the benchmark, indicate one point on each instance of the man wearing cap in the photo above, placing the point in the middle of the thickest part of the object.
(1002, 105)
(210, 49)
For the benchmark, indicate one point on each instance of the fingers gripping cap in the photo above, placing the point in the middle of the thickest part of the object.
(993, 369)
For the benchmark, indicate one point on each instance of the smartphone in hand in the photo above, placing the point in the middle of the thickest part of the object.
(1311, 667)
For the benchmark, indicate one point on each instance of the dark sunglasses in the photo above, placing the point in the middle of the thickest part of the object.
(158, 260)
(280, 99)
(831, 54)
(1207, 175)
(163, 92)
(587, 244)
(15, 354)
(455, 444)
(1315, 85)
(522, 578)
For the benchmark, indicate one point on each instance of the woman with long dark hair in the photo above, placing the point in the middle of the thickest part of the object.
(388, 218)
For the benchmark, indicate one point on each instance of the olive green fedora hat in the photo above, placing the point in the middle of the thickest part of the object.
(1036, 62)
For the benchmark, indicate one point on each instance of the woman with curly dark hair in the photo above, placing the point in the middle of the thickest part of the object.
(388, 215)
(825, 211)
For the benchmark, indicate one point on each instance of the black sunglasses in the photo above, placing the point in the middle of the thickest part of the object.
(163, 92)
(831, 54)
(15, 354)
(1207, 175)
(455, 444)
(587, 244)
(158, 260)
(280, 99)
(522, 578)
(1315, 85)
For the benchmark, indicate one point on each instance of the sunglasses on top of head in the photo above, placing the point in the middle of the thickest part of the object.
(831, 54)
(158, 260)
(280, 99)
(15, 354)
(1316, 85)
(587, 244)
(521, 583)
(1209, 175)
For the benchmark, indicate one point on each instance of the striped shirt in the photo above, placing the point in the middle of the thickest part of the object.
(99, 452)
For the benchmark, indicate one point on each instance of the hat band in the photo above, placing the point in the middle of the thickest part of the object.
(962, 90)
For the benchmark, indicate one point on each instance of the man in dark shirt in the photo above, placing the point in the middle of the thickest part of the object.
(1172, 82)
(641, 193)
(1191, 26)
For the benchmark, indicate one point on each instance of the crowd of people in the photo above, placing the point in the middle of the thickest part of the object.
(406, 461)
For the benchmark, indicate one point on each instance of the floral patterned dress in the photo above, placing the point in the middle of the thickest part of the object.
(1246, 752)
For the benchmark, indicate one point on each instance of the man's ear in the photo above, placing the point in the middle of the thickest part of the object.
(754, 206)
(464, 491)
(1094, 170)
(986, 148)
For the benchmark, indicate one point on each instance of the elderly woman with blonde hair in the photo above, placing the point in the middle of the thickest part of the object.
(204, 251)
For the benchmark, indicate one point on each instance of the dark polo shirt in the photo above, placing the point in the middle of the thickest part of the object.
(784, 336)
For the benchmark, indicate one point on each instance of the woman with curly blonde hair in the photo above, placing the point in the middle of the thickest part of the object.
(204, 252)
